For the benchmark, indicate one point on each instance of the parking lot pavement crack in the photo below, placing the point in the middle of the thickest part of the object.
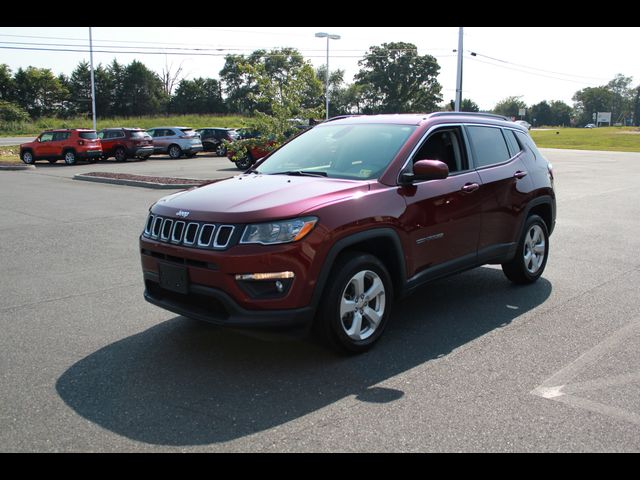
(64, 297)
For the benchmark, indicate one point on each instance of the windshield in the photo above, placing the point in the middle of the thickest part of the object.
(359, 152)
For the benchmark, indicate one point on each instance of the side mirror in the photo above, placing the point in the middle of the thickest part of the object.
(38, 139)
(425, 170)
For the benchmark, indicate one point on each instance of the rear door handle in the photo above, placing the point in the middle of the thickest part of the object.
(520, 174)
(470, 187)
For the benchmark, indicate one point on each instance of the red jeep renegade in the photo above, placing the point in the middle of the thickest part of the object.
(330, 228)
(69, 145)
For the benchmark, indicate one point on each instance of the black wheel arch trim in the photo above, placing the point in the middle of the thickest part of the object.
(541, 200)
(348, 241)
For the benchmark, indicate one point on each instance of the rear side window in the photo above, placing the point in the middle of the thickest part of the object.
(488, 145)
(88, 135)
(514, 146)
(525, 139)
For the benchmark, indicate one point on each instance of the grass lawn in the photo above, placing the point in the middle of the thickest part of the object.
(619, 139)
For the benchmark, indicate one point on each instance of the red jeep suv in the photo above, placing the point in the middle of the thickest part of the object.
(69, 145)
(325, 232)
(124, 143)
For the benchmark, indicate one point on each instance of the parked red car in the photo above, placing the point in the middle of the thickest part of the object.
(325, 232)
(124, 143)
(64, 144)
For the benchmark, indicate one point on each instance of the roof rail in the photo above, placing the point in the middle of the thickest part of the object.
(471, 114)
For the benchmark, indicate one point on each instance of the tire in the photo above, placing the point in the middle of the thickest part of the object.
(221, 151)
(28, 158)
(532, 253)
(356, 303)
(175, 152)
(120, 154)
(245, 162)
(70, 157)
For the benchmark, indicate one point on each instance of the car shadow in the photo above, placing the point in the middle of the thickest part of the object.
(183, 382)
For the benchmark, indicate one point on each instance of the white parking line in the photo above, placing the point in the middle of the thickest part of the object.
(559, 388)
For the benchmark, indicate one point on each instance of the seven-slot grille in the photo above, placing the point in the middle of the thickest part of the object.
(189, 234)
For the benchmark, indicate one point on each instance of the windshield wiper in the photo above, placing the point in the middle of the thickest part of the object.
(302, 173)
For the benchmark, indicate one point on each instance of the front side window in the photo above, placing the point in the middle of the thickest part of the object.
(359, 152)
(489, 146)
(46, 137)
(445, 145)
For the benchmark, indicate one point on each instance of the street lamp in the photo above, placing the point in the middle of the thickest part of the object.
(328, 36)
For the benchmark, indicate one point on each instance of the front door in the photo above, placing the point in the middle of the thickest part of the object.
(443, 217)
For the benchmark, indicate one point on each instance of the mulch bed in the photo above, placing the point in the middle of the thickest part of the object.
(148, 178)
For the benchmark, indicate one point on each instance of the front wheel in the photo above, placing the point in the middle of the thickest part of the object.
(356, 303)
(531, 257)
(28, 158)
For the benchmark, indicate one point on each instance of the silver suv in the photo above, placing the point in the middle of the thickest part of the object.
(176, 141)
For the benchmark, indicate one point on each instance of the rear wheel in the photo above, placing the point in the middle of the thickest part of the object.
(245, 162)
(175, 152)
(356, 303)
(531, 257)
(120, 154)
(221, 150)
(70, 157)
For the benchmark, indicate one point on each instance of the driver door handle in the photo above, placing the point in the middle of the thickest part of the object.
(470, 187)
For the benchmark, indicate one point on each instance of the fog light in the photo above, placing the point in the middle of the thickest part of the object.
(265, 276)
(279, 286)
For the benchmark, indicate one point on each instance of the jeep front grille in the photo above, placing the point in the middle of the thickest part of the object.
(212, 236)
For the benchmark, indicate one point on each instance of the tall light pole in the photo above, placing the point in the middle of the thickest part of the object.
(328, 36)
(93, 83)
(458, 104)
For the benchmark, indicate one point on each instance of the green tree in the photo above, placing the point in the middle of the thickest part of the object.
(238, 83)
(542, 114)
(622, 97)
(39, 91)
(509, 107)
(560, 113)
(467, 105)
(200, 95)
(7, 84)
(142, 91)
(591, 100)
(398, 80)
(10, 112)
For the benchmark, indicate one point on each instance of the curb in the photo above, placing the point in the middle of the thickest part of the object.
(133, 183)
(17, 166)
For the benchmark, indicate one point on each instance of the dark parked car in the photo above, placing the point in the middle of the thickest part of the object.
(324, 233)
(66, 144)
(124, 143)
(213, 139)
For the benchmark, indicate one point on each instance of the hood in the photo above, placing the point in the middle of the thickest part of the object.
(257, 198)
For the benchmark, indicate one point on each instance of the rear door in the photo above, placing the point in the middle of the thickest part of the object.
(58, 143)
(505, 178)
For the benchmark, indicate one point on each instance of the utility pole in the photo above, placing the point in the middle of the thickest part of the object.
(458, 104)
(93, 83)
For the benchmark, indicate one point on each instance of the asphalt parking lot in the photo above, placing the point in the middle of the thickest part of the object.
(471, 363)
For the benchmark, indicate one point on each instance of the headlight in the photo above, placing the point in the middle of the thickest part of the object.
(284, 231)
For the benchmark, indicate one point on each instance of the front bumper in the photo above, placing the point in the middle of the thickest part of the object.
(215, 306)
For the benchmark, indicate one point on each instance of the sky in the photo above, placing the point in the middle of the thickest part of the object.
(532, 63)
